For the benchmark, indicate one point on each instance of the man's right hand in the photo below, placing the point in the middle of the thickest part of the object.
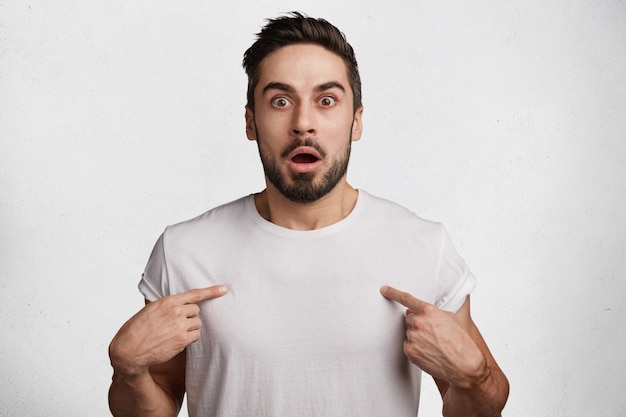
(160, 331)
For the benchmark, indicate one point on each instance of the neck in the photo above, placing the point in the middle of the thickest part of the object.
(330, 209)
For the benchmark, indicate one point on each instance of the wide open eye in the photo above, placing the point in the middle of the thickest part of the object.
(327, 101)
(280, 102)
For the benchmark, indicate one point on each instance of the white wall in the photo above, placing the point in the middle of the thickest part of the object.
(505, 120)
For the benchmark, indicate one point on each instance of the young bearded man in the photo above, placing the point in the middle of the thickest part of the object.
(284, 303)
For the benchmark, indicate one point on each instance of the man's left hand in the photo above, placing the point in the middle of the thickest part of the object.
(437, 342)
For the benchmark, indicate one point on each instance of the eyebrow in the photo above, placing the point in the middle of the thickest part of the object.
(279, 86)
(289, 89)
(329, 85)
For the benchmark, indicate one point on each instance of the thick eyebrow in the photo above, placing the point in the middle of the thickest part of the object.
(289, 89)
(329, 85)
(279, 86)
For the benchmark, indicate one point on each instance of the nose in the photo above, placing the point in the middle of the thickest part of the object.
(303, 123)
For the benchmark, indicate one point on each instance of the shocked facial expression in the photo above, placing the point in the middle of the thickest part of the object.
(304, 121)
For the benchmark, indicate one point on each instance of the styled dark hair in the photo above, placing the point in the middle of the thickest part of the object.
(296, 28)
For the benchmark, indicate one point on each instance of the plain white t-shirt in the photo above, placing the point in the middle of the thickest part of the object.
(303, 330)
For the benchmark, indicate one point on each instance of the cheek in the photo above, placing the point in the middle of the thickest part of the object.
(276, 126)
(342, 124)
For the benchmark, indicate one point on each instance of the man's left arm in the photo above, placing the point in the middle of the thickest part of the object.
(450, 347)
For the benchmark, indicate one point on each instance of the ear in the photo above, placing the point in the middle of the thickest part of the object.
(250, 126)
(357, 124)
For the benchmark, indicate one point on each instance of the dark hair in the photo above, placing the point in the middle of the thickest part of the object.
(293, 29)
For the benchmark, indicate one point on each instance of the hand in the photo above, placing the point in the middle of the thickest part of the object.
(160, 331)
(437, 342)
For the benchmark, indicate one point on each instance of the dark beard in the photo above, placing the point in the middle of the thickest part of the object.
(303, 188)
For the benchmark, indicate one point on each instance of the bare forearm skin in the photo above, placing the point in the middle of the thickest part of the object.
(140, 396)
(485, 399)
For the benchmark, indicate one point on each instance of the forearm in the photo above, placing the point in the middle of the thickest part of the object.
(140, 396)
(484, 399)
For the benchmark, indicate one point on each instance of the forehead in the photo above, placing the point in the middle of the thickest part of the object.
(303, 66)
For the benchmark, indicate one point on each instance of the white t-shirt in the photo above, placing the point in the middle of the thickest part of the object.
(303, 330)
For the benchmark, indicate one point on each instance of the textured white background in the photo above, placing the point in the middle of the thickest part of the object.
(504, 120)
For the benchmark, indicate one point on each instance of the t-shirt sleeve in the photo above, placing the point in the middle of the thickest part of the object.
(154, 283)
(455, 280)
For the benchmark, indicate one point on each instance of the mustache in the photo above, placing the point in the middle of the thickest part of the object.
(304, 142)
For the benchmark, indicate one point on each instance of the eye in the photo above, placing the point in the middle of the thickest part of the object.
(280, 102)
(327, 101)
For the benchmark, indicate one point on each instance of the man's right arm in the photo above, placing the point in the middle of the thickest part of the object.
(156, 393)
(148, 358)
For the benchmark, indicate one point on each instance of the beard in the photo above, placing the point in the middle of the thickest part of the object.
(305, 188)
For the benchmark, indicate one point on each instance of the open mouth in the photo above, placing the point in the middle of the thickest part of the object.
(304, 155)
(304, 158)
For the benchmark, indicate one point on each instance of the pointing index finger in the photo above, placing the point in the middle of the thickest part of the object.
(403, 298)
(200, 294)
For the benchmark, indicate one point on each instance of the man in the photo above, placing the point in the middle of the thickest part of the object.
(284, 303)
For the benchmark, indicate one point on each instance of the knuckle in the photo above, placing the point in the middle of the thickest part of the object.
(195, 309)
(167, 301)
(410, 335)
(178, 329)
(180, 337)
(429, 309)
(195, 323)
(176, 310)
(182, 344)
(193, 337)
(413, 322)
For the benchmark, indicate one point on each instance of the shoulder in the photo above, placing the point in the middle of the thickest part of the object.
(227, 215)
(394, 215)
